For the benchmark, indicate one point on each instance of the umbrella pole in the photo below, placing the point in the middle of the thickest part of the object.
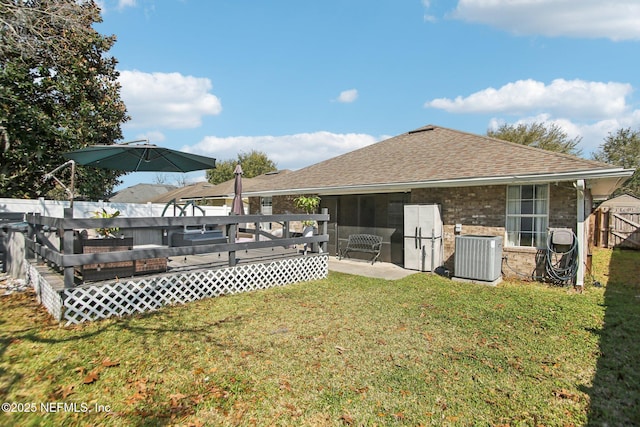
(71, 189)
(72, 185)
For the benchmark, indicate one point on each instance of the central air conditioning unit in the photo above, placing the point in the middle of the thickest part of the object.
(478, 258)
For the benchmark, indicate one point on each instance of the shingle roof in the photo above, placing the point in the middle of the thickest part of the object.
(204, 190)
(181, 193)
(430, 153)
(624, 200)
(141, 193)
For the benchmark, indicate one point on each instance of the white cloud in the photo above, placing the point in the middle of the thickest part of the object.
(126, 3)
(575, 98)
(107, 5)
(428, 17)
(154, 137)
(348, 96)
(590, 110)
(571, 129)
(287, 151)
(592, 134)
(167, 100)
(612, 19)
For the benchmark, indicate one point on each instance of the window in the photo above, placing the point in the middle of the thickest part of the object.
(266, 208)
(266, 205)
(527, 215)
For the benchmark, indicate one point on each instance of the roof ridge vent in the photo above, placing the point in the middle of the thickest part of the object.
(422, 129)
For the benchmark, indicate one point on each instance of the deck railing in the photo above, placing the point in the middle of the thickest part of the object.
(41, 246)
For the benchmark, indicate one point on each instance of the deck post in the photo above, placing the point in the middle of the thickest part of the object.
(32, 249)
(325, 230)
(232, 230)
(68, 248)
(580, 232)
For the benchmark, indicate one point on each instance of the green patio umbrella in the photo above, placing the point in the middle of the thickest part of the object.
(139, 158)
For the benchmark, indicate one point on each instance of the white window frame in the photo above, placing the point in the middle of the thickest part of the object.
(266, 208)
(266, 202)
(536, 215)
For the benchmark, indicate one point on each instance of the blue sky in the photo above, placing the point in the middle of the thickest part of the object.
(303, 81)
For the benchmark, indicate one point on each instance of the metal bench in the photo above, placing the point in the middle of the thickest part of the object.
(367, 243)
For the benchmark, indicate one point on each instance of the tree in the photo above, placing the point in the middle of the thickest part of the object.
(223, 171)
(58, 92)
(30, 28)
(548, 137)
(622, 148)
(253, 164)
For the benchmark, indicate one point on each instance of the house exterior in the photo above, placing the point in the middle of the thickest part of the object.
(213, 194)
(484, 186)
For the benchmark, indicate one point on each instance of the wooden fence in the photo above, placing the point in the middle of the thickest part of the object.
(617, 227)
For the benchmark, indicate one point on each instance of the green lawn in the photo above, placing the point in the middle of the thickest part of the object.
(342, 351)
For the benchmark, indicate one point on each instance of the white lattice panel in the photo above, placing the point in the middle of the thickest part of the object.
(47, 295)
(98, 302)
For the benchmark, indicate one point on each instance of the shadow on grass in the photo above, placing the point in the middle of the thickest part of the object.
(32, 324)
(615, 395)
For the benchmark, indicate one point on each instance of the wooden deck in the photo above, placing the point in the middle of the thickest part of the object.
(147, 252)
(188, 279)
(219, 260)
(161, 273)
(182, 264)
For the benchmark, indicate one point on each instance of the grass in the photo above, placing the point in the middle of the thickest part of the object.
(615, 394)
(346, 350)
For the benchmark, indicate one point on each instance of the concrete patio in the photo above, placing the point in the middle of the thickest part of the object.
(379, 270)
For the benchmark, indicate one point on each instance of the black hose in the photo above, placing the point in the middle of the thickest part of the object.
(564, 268)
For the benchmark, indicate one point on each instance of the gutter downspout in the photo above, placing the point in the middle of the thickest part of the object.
(582, 253)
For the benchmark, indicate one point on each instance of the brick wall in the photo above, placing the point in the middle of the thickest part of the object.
(285, 204)
(482, 210)
(280, 205)
(254, 206)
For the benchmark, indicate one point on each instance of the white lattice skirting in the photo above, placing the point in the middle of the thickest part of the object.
(45, 293)
(86, 303)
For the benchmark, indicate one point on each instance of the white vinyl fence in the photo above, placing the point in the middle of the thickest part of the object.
(55, 208)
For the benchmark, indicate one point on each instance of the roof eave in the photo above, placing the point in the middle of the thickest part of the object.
(400, 187)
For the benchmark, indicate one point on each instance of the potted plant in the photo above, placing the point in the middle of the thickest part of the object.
(309, 204)
(107, 242)
(106, 232)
